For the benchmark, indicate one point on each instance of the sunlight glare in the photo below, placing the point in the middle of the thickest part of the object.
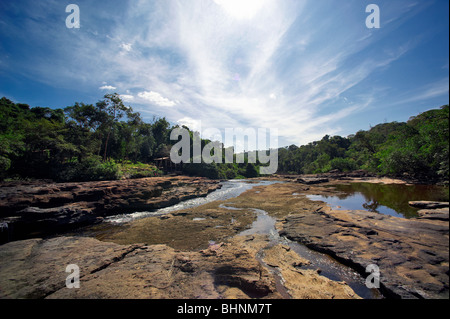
(241, 9)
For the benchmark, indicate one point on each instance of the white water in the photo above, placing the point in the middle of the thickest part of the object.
(230, 189)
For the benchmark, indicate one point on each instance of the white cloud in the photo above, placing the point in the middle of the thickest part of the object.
(107, 88)
(127, 97)
(156, 98)
(126, 46)
(192, 124)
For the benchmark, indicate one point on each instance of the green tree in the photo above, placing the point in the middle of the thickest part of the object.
(113, 105)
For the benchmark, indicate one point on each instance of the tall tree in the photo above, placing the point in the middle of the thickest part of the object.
(113, 105)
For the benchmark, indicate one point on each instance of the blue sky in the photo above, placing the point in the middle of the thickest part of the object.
(307, 68)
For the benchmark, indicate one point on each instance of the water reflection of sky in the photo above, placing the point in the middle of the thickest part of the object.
(389, 199)
(356, 201)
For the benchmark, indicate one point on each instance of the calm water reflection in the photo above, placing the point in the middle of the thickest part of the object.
(390, 199)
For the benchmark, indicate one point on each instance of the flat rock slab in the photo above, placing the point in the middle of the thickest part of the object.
(412, 254)
(436, 214)
(35, 268)
(428, 204)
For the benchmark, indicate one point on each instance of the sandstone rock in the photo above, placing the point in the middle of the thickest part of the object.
(305, 284)
(412, 255)
(434, 214)
(36, 268)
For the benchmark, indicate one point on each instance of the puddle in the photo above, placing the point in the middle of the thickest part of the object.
(389, 199)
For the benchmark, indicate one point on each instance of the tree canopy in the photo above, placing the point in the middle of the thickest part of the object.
(418, 148)
(87, 141)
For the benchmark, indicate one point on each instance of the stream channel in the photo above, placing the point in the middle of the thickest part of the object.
(264, 224)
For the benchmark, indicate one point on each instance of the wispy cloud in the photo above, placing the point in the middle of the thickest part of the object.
(427, 92)
(231, 63)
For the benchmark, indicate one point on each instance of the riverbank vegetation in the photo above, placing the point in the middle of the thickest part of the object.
(418, 148)
(109, 140)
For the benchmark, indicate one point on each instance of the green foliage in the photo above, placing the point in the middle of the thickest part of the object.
(91, 168)
(202, 169)
(82, 142)
(251, 171)
(138, 170)
(343, 164)
(87, 141)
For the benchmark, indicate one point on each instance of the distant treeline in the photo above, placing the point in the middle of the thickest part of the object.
(418, 148)
(91, 142)
(94, 141)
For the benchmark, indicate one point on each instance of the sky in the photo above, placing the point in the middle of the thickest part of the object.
(304, 67)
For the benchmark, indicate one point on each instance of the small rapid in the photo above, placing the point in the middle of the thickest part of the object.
(229, 189)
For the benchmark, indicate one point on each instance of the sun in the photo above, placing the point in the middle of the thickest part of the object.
(241, 9)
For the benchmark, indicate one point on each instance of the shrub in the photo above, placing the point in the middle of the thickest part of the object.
(343, 164)
(90, 169)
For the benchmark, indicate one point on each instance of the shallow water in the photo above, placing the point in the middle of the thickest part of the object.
(389, 199)
(330, 268)
(230, 189)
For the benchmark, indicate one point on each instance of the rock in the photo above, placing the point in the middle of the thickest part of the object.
(428, 204)
(312, 181)
(434, 214)
(412, 255)
(35, 268)
(38, 209)
(304, 284)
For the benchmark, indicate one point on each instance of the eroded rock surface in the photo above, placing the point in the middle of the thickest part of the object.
(35, 268)
(412, 254)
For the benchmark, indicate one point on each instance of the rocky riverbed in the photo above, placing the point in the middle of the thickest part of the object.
(206, 252)
(38, 209)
